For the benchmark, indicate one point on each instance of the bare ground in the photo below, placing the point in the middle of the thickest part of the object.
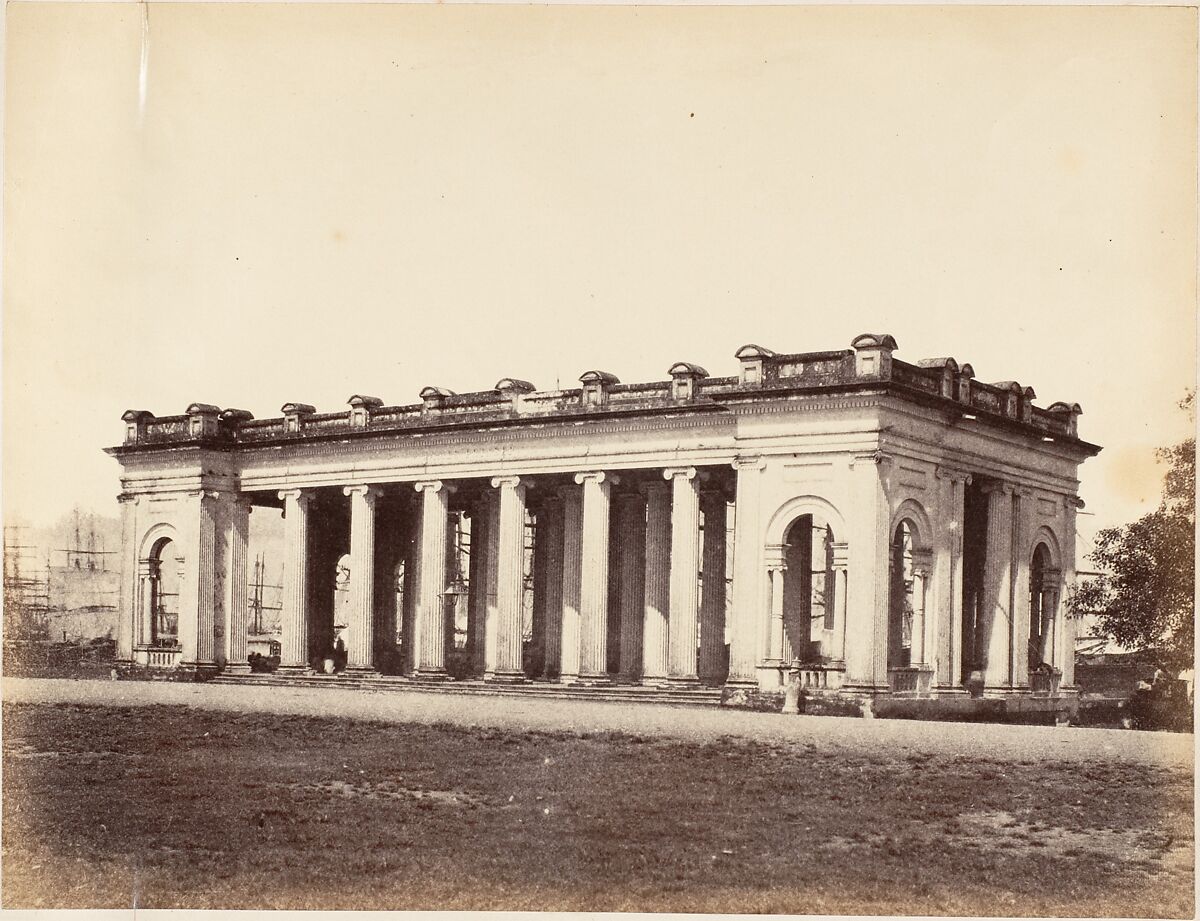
(162, 806)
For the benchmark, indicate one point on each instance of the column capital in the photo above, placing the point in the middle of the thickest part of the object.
(299, 496)
(878, 458)
(953, 475)
(1072, 503)
(567, 493)
(370, 493)
(124, 497)
(674, 473)
(922, 562)
(997, 486)
(653, 487)
(204, 494)
(749, 462)
(599, 476)
(774, 558)
(432, 486)
(507, 481)
(625, 498)
(1024, 492)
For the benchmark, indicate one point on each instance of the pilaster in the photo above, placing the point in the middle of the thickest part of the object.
(198, 589)
(867, 604)
(948, 576)
(128, 609)
(998, 621)
(1023, 525)
(746, 620)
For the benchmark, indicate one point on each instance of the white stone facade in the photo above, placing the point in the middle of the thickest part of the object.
(897, 528)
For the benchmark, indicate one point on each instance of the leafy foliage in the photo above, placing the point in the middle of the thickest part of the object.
(1145, 599)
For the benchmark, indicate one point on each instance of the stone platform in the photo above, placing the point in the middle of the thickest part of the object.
(612, 693)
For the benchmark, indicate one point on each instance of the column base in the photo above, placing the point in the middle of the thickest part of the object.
(199, 671)
(293, 670)
(237, 668)
(431, 674)
(505, 676)
(683, 681)
(592, 681)
(360, 671)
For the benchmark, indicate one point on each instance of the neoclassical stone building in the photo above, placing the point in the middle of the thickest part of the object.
(884, 527)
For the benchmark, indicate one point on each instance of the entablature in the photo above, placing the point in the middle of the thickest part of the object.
(768, 378)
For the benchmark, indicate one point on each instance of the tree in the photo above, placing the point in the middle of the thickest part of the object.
(1144, 598)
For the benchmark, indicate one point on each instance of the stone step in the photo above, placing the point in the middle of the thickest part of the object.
(694, 697)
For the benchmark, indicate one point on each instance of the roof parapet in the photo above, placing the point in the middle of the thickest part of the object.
(752, 357)
(361, 408)
(203, 419)
(685, 378)
(294, 415)
(596, 386)
(873, 355)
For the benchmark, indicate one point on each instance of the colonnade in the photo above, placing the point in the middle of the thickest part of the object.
(626, 547)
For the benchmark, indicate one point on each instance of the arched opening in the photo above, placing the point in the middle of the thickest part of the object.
(901, 601)
(164, 593)
(808, 590)
(1041, 611)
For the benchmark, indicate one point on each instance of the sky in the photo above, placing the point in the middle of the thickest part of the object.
(305, 202)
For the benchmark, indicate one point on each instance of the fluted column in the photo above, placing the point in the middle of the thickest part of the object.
(712, 588)
(360, 652)
(431, 628)
(294, 651)
(237, 610)
(572, 579)
(631, 550)
(550, 534)
(746, 618)
(997, 625)
(510, 579)
(657, 588)
(593, 593)
(685, 522)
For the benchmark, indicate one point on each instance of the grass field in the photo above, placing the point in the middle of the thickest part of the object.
(164, 807)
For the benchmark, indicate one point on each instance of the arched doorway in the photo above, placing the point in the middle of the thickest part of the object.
(808, 590)
(901, 603)
(163, 613)
(1042, 614)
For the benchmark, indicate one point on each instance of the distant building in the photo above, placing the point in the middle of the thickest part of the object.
(897, 529)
